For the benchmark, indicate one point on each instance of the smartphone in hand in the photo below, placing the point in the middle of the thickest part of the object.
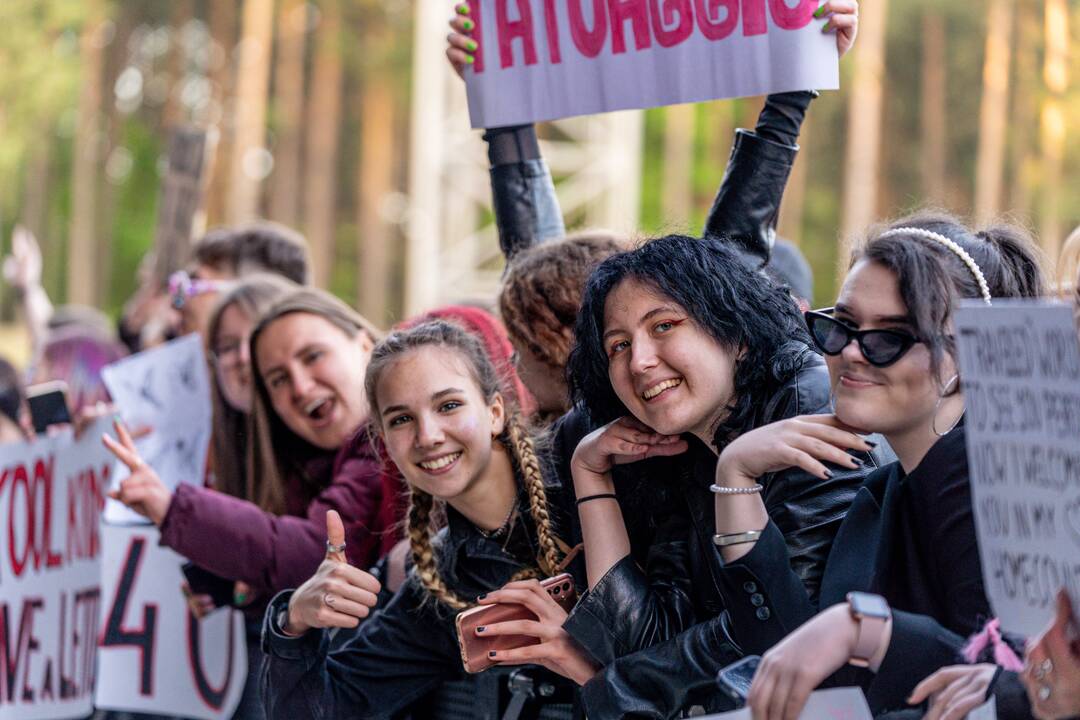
(204, 582)
(48, 405)
(475, 649)
(735, 679)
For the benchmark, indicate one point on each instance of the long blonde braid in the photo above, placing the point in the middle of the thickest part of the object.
(420, 507)
(524, 450)
(439, 333)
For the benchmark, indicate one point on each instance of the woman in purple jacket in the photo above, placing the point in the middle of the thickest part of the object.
(305, 456)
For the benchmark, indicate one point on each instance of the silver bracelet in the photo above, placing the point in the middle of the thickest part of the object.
(726, 490)
(736, 538)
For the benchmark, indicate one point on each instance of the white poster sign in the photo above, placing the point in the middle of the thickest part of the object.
(166, 389)
(51, 494)
(155, 655)
(547, 59)
(847, 703)
(1020, 364)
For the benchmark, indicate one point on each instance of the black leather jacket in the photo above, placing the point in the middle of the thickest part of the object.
(673, 581)
(744, 211)
(407, 649)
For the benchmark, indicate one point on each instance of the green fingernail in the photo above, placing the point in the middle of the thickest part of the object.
(470, 59)
(463, 9)
(820, 12)
(828, 27)
(471, 46)
(468, 25)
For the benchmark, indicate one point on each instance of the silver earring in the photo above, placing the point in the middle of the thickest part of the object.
(950, 387)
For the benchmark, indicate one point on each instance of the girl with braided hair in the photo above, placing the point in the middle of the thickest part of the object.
(446, 422)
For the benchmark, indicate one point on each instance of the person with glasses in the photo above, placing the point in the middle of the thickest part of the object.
(224, 255)
(902, 585)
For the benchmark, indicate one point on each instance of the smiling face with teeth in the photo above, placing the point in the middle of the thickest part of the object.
(313, 373)
(440, 430)
(666, 369)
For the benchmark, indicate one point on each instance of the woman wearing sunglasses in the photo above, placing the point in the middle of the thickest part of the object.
(909, 536)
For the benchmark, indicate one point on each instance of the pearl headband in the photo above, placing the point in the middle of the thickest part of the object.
(961, 253)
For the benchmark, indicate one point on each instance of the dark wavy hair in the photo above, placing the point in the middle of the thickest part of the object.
(741, 308)
(932, 277)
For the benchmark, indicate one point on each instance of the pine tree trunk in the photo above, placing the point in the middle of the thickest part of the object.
(289, 110)
(1054, 124)
(173, 112)
(253, 80)
(677, 200)
(863, 151)
(934, 122)
(82, 264)
(990, 160)
(375, 182)
(223, 36)
(1024, 115)
(323, 127)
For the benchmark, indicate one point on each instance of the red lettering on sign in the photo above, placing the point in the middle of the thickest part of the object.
(478, 55)
(664, 18)
(754, 22)
(19, 559)
(712, 27)
(792, 18)
(510, 30)
(551, 24)
(634, 11)
(588, 42)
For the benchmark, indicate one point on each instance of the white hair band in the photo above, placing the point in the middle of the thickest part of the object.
(964, 255)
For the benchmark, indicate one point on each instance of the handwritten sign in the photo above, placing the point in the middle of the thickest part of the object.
(547, 59)
(155, 655)
(847, 703)
(1020, 364)
(51, 495)
(181, 198)
(166, 389)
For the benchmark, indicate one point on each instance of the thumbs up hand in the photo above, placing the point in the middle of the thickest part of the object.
(337, 595)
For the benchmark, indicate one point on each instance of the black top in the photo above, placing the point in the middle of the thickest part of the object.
(410, 647)
(911, 538)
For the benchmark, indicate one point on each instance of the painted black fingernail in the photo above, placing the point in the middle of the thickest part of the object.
(871, 443)
(480, 629)
(491, 654)
(481, 596)
(857, 461)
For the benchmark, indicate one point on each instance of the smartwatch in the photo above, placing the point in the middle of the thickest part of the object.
(872, 613)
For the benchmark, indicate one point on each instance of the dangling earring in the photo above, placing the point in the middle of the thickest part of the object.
(950, 387)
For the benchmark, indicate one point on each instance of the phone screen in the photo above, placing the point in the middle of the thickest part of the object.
(48, 409)
(735, 680)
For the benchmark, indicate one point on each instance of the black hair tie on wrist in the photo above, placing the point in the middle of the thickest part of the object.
(598, 496)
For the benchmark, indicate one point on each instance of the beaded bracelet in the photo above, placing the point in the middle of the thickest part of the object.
(726, 490)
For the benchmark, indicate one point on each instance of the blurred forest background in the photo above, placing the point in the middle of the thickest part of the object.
(971, 106)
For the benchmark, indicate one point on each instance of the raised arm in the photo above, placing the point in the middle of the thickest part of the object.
(526, 208)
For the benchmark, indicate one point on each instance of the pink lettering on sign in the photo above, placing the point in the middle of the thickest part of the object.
(708, 17)
(669, 22)
(477, 35)
(634, 11)
(551, 24)
(588, 42)
(792, 18)
(673, 12)
(510, 30)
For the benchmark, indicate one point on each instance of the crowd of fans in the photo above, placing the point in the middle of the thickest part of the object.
(721, 472)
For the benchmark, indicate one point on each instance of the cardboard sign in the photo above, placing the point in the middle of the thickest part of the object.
(1020, 365)
(181, 197)
(155, 655)
(51, 495)
(847, 703)
(167, 389)
(547, 59)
